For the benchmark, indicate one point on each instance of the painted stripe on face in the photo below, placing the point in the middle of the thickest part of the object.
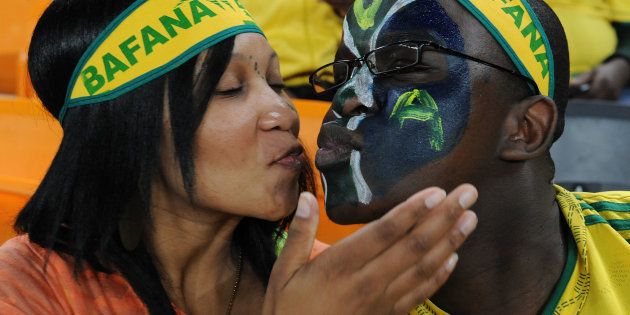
(348, 40)
(325, 184)
(364, 81)
(392, 10)
(355, 121)
(364, 194)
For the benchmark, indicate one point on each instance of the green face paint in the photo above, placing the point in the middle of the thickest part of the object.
(419, 105)
(365, 16)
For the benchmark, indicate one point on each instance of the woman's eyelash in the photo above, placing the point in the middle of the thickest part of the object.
(230, 91)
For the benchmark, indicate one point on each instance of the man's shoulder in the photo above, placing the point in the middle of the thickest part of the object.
(610, 208)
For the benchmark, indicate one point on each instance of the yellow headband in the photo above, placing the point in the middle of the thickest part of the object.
(149, 39)
(516, 27)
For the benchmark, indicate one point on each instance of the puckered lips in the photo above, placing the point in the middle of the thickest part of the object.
(291, 156)
(336, 143)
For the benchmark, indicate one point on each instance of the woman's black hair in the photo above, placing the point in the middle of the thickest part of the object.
(109, 155)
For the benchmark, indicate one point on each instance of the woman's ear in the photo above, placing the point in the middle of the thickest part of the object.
(528, 129)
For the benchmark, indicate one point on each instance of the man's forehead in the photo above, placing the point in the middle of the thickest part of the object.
(373, 23)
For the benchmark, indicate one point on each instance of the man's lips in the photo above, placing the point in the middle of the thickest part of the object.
(336, 144)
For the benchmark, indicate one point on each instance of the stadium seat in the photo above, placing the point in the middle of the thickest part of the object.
(593, 153)
(29, 139)
(311, 116)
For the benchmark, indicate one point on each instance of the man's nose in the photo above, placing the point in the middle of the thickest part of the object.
(348, 104)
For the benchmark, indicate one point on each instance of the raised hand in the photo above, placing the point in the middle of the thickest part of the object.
(389, 266)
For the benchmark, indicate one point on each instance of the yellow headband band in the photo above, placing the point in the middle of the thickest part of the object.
(516, 27)
(149, 39)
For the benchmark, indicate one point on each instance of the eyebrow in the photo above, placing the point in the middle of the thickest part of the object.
(272, 56)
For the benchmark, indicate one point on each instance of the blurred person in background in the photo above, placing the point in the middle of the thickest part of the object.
(598, 33)
(305, 33)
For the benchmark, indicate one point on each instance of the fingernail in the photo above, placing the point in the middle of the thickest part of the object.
(466, 199)
(469, 223)
(303, 210)
(435, 199)
(451, 262)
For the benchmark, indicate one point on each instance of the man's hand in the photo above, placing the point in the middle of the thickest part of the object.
(606, 81)
(340, 6)
(387, 267)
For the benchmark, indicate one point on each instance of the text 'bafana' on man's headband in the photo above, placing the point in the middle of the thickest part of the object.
(149, 39)
(514, 24)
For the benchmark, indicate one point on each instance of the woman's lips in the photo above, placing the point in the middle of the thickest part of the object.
(336, 144)
(292, 159)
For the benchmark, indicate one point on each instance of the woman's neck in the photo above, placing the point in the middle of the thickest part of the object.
(192, 249)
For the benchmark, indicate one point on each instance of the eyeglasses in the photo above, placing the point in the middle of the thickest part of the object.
(389, 59)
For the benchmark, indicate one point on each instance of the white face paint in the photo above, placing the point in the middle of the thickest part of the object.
(364, 193)
(362, 82)
(325, 184)
(392, 10)
(348, 40)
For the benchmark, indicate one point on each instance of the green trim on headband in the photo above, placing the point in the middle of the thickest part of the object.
(551, 63)
(477, 10)
(499, 38)
(149, 76)
(230, 23)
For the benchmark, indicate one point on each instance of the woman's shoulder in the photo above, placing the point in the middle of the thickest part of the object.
(36, 281)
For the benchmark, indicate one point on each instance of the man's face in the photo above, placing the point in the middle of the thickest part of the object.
(383, 133)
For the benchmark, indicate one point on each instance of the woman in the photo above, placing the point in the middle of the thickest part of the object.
(178, 172)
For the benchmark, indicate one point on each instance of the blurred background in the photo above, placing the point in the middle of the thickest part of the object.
(592, 155)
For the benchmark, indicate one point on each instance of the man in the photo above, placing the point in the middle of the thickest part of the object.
(439, 92)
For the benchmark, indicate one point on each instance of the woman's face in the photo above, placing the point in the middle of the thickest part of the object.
(247, 155)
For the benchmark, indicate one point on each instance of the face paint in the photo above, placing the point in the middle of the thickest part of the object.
(420, 106)
(365, 16)
(400, 123)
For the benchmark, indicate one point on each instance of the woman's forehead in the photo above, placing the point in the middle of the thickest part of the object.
(371, 24)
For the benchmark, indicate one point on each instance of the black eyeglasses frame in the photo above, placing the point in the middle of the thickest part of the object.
(422, 45)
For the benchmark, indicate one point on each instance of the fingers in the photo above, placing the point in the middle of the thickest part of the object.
(381, 234)
(438, 231)
(425, 270)
(426, 288)
(299, 244)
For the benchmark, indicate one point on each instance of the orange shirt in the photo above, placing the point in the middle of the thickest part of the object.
(26, 288)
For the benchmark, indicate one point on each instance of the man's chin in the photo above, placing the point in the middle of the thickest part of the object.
(352, 212)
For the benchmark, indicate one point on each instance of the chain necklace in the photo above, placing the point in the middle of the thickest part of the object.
(237, 282)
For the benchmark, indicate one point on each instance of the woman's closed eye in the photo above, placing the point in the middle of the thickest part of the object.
(233, 91)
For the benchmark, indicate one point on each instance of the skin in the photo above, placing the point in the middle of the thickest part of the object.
(243, 139)
(247, 127)
(500, 144)
(606, 81)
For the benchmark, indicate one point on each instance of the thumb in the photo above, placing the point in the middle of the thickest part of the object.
(299, 243)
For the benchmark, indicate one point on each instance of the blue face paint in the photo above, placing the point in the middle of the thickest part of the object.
(386, 146)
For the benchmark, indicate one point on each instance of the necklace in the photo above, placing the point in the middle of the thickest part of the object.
(237, 282)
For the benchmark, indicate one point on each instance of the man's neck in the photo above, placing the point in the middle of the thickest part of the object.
(511, 263)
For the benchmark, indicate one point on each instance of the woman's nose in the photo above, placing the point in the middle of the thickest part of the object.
(280, 114)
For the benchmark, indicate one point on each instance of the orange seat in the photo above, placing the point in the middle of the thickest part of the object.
(29, 139)
(311, 116)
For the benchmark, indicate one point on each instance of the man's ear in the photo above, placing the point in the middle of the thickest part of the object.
(528, 129)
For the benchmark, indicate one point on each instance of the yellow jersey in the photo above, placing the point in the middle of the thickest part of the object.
(304, 33)
(588, 25)
(596, 277)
